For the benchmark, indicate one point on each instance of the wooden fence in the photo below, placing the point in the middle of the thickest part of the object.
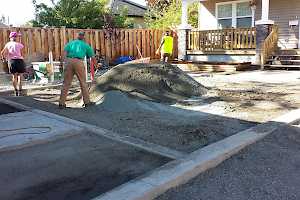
(111, 44)
(225, 39)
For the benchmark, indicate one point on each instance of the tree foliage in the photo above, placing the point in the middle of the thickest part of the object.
(78, 14)
(165, 14)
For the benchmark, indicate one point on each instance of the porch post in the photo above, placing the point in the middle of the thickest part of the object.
(265, 4)
(184, 12)
(182, 31)
(199, 14)
(263, 28)
(253, 9)
(265, 7)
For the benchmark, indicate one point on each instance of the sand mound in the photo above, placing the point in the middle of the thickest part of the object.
(157, 82)
(116, 101)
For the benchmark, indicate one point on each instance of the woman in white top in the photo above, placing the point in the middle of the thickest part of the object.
(12, 52)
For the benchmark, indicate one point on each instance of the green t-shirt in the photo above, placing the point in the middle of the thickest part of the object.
(78, 49)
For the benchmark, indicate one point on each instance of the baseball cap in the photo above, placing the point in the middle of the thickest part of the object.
(13, 35)
(81, 33)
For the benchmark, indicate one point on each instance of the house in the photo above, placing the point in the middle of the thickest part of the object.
(135, 11)
(245, 30)
(2, 25)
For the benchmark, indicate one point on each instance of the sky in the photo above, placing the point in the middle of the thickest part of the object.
(21, 11)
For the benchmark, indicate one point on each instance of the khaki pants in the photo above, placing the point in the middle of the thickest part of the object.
(74, 67)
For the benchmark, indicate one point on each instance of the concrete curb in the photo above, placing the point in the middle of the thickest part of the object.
(180, 171)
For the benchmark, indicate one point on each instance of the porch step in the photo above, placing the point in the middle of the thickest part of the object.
(289, 51)
(222, 52)
(212, 62)
(287, 55)
(273, 60)
(282, 66)
(284, 59)
(212, 67)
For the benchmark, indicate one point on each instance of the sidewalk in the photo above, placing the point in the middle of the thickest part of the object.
(268, 170)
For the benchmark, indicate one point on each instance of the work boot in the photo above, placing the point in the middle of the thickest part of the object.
(89, 104)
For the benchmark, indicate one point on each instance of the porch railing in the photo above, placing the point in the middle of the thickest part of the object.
(224, 39)
(269, 45)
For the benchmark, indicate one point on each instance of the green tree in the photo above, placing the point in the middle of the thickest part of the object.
(77, 14)
(117, 21)
(169, 14)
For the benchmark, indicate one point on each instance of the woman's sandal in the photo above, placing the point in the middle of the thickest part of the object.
(17, 93)
(62, 106)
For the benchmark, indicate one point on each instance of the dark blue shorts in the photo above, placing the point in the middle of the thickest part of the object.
(16, 66)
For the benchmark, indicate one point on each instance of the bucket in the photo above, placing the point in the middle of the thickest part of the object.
(4, 66)
(40, 70)
(58, 70)
(44, 70)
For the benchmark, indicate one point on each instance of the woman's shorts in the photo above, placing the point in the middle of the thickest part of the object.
(16, 66)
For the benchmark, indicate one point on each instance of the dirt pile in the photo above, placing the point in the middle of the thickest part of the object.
(156, 82)
(117, 101)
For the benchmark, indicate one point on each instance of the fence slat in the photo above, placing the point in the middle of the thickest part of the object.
(101, 43)
(43, 43)
(122, 42)
(117, 42)
(152, 48)
(144, 43)
(30, 43)
(130, 43)
(62, 41)
(97, 40)
(56, 44)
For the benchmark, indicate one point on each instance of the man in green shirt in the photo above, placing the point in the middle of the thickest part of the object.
(75, 52)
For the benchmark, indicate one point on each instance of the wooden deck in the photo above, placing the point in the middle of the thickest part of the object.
(194, 67)
(222, 52)
(222, 39)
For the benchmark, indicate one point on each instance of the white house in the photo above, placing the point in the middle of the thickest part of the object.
(239, 29)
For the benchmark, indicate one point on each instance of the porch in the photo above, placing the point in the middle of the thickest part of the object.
(230, 45)
(223, 45)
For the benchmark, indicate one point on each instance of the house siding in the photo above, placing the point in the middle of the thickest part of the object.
(281, 11)
(208, 14)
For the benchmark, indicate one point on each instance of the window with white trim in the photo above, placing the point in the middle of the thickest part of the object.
(235, 14)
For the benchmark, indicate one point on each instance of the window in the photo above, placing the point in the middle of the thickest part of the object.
(235, 14)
